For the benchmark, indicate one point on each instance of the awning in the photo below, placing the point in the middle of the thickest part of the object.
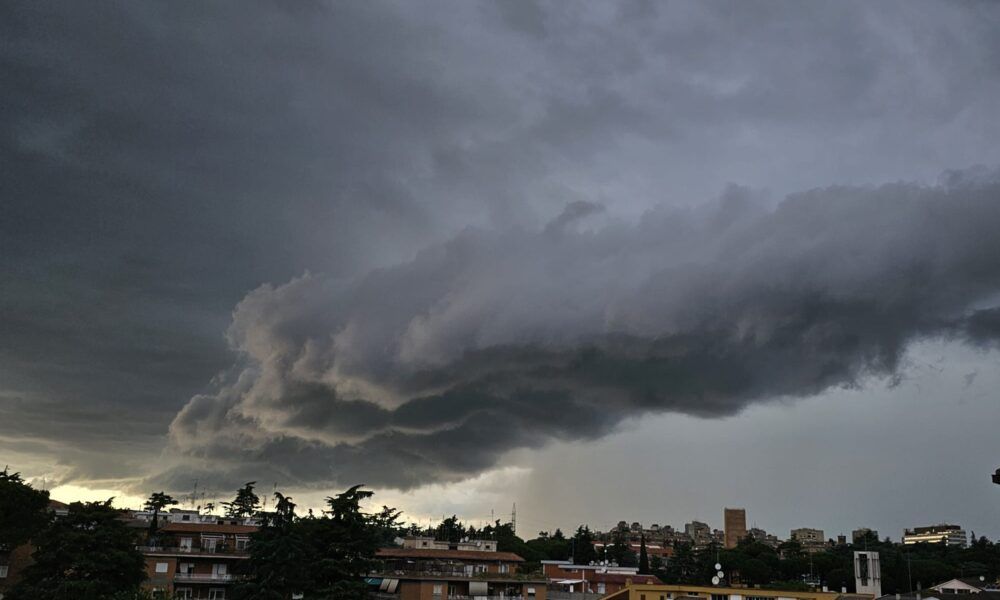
(478, 588)
(568, 581)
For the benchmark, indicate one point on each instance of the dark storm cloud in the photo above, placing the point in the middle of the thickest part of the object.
(162, 159)
(501, 339)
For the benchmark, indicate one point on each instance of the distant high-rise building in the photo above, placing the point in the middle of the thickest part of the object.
(811, 540)
(867, 574)
(952, 535)
(735, 520)
(858, 536)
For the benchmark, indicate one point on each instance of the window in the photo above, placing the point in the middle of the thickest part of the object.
(183, 594)
(3, 571)
(217, 594)
(504, 568)
(531, 591)
(242, 543)
(642, 596)
(186, 544)
(438, 589)
(601, 587)
(162, 567)
(720, 596)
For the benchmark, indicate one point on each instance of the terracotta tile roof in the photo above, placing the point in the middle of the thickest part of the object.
(447, 554)
(207, 528)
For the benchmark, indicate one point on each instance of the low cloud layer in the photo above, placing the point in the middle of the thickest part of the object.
(498, 339)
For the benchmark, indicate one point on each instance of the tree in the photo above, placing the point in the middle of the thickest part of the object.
(245, 505)
(582, 546)
(643, 557)
(89, 554)
(347, 540)
(280, 559)
(156, 502)
(450, 530)
(22, 510)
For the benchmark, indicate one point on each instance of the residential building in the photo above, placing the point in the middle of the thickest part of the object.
(812, 540)
(414, 572)
(952, 535)
(14, 560)
(652, 549)
(694, 592)
(699, 534)
(735, 523)
(434, 544)
(858, 536)
(195, 561)
(968, 585)
(764, 537)
(564, 576)
(933, 594)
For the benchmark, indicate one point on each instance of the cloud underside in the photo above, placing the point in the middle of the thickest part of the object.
(500, 339)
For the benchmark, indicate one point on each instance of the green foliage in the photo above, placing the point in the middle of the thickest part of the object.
(643, 557)
(22, 510)
(320, 557)
(88, 555)
(245, 504)
(583, 546)
(156, 502)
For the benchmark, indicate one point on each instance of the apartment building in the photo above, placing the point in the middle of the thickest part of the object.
(693, 592)
(564, 576)
(415, 572)
(195, 561)
(812, 540)
(14, 560)
(952, 535)
(735, 523)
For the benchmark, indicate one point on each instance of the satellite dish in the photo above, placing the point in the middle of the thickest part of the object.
(720, 574)
(715, 581)
(718, 567)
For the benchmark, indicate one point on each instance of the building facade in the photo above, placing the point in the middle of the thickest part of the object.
(414, 572)
(564, 576)
(735, 522)
(952, 535)
(693, 592)
(195, 561)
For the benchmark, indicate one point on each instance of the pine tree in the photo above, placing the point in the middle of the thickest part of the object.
(643, 557)
(89, 553)
(156, 502)
(245, 505)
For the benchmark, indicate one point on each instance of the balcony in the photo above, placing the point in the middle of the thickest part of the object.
(455, 574)
(385, 596)
(195, 551)
(204, 577)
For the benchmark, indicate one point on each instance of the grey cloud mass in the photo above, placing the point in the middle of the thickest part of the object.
(438, 220)
(505, 338)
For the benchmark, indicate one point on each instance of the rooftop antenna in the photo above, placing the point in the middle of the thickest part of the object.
(513, 519)
(194, 493)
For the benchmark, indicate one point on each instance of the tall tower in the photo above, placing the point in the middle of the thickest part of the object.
(735, 520)
(867, 574)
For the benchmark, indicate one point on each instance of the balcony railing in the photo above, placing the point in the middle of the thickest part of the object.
(389, 572)
(209, 577)
(385, 596)
(217, 550)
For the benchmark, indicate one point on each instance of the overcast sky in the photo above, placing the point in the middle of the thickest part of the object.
(632, 260)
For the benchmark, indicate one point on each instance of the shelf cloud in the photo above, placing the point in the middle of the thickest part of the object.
(498, 339)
